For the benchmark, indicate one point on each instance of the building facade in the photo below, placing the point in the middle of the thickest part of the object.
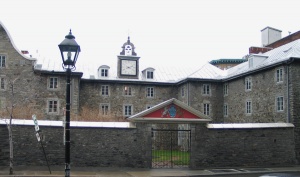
(262, 89)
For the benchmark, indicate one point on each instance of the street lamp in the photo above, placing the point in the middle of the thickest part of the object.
(69, 50)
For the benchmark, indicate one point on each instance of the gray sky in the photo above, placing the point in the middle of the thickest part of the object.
(165, 32)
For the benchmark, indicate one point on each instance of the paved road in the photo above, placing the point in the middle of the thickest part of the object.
(290, 174)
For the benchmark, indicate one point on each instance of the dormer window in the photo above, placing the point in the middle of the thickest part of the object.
(255, 60)
(148, 73)
(103, 71)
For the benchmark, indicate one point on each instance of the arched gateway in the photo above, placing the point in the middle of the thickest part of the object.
(171, 132)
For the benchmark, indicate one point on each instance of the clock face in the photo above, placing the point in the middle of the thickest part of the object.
(128, 67)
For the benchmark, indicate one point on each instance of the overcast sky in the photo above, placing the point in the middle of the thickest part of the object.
(168, 32)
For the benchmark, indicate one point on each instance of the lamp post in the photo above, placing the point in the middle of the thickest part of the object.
(69, 50)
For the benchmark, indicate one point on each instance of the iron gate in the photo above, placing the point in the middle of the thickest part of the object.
(171, 148)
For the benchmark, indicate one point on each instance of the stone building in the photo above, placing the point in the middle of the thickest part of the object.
(263, 89)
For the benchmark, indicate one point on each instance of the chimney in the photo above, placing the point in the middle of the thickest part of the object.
(270, 35)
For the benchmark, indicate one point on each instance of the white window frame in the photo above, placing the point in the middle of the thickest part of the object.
(206, 109)
(104, 90)
(128, 110)
(248, 107)
(2, 61)
(225, 109)
(127, 91)
(182, 91)
(104, 109)
(104, 72)
(51, 83)
(225, 89)
(53, 106)
(206, 90)
(150, 92)
(279, 75)
(248, 83)
(279, 104)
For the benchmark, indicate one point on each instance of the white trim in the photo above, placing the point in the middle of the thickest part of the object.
(13, 44)
(249, 125)
(248, 84)
(279, 80)
(165, 103)
(53, 123)
(171, 120)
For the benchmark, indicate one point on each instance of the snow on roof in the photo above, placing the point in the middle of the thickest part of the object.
(165, 74)
(13, 44)
(275, 56)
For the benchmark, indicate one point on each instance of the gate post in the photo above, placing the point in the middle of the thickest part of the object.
(144, 136)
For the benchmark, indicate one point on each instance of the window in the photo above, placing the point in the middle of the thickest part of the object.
(52, 106)
(104, 109)
(104, 90)
(279, 75)
(53, 82)
(104, 72)
(225, 110)
(2, 61)
(248, 107)
(150, 92)
(182, 91)
(206, 109)
(149, 74)
(127, 91)
(248, 82)
(225, 89)
(279, 103)
(206, 89)
(2, 83)
(127, 110)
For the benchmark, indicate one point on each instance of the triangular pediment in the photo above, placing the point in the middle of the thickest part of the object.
(171, 110)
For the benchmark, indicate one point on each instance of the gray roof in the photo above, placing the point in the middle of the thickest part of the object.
(165, 74)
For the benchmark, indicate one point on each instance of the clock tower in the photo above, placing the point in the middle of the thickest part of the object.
(128, 62)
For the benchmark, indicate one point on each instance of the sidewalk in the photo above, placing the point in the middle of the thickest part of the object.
(135, 172)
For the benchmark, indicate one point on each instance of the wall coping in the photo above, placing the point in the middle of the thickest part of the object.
(250, 125)
(53, 123)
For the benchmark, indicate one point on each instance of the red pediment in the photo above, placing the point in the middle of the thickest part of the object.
(171, 110)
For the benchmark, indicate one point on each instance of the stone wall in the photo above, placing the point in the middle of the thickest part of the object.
(131, 147)
(236, 147)
(214, 99)
(90, 96)
(295, 103)
(263, 95)
(103, 147)
(28, 88)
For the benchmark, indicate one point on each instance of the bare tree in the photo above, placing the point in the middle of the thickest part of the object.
(10, 110)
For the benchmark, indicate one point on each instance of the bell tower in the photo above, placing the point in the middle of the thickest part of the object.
(128, 62)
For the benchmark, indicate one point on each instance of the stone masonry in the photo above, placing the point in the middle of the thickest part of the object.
(132, 147)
